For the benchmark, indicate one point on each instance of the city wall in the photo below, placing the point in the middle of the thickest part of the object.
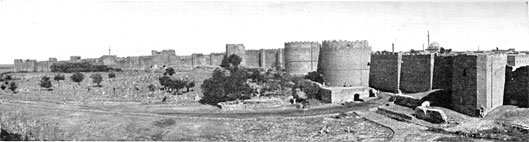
(385, 71)
(516, 86)
(417, 73)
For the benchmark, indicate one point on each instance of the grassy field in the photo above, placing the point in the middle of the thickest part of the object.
(74, 111)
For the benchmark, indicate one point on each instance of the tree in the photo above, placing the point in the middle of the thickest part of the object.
(170, 71)
(225, 85)
(58, 78)
(190, 84)
(231, 62)
(8, 77)
(13, 87)
(111, 75)
(171, 85)
(77, 77)
(45, 82)
(3, 87)
(97, 78)
(314, 76)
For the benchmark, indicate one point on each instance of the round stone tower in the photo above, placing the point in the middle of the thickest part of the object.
(345, 63)
(301, 57)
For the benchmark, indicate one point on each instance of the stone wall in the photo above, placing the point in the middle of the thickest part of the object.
(216, 58)
(442, 76)
(271, 57)
(478, 82)
(237, 49)
(517, 87)
(417, 73)
(25, 65)
(385, 71)
(431, 114)
(301, 57)
(343, 94)
(252, 58)
(345, 63)
(199, 60)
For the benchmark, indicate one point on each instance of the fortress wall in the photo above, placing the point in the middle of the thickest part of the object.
(25, 65)
(216, 59)
(345, 63)
(299, 57)
(237, 49)
(416, 73)
(442, 76)
(252, 58)
(270, 57)
(516, 87)
(384, 72)
(478, 81)
(198, 60)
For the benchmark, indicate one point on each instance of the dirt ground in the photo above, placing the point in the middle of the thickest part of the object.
(83, 112)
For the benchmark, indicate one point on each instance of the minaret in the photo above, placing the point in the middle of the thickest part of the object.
(392, 47)
(428, 38)
(109, 51)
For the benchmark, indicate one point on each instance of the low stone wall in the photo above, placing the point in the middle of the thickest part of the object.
(407, 101)
(393, 115)
(249, 104)
(431, 114)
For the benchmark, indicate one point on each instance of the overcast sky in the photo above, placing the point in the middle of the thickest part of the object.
(39, 29)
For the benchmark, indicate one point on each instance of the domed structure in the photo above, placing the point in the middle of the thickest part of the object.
(434, 45)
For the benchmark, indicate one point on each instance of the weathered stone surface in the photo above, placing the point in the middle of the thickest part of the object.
(431, 114)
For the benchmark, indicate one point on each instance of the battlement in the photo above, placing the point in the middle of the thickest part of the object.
(163, 52)
(302, 44)
(386, 53)
(344, 44)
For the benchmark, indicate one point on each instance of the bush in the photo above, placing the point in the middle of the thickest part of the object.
(45, 82)
(314, 76)
(151, 87)
(58, 78)
(169, 71)
(97, 78)
(13, 87)
(3, 87)
(77, 77)
(111, 75)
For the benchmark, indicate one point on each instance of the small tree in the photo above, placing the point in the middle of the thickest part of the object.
(97, 78)
(13, 87)
(45, 82)
(58, 78)
(77, 77)
(111, 75)
(3, 87)
(169, 71)
(8, 77)
(190, 84)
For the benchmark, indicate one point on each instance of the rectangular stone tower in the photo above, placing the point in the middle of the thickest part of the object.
(478, 82)
(237, 49)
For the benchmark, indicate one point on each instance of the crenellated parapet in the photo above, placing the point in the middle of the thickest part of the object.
(344, 44)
